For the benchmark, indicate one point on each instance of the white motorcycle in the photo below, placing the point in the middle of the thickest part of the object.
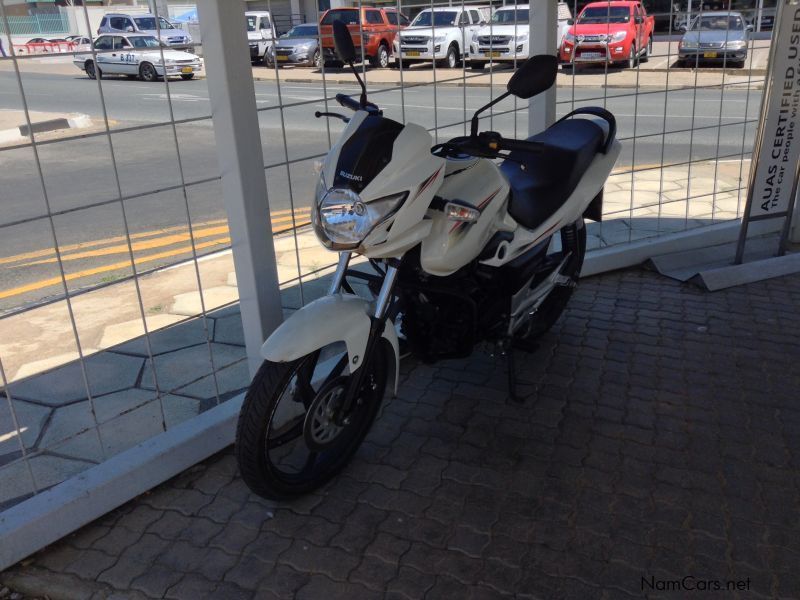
(465, 251)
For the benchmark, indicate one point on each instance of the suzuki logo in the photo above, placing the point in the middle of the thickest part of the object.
(350, 176)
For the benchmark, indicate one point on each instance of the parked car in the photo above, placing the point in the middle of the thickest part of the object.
(616, 32)
(79, 40)
(299, 45)
(442, 34)
(372, 29)
(123, 23)
(137, 55)
(260, 34)
(505, 37)
(715, 37)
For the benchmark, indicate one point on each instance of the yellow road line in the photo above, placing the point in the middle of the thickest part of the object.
(44, 283)
(37, 285)
(137, 236)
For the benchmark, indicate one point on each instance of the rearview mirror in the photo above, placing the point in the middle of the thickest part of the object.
(749, 28)
(570, 21)
(638, 20)
(536, 75)
(343, 41)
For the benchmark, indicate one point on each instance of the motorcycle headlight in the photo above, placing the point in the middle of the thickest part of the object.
(343, 220)
(617, 37)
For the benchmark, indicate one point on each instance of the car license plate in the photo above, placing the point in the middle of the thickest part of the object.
(591, 55)
(186, 70)
(281, 57)
(709, 55)
(493, 54)
(412, 53)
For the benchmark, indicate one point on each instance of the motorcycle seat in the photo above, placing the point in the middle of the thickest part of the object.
(541, 185)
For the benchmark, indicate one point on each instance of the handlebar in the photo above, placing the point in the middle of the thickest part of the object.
(354, 105)
(487, 144)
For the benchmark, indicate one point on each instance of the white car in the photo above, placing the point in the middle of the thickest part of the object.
(505, 37)
(440, 34)
(260, 35)
(137, 55)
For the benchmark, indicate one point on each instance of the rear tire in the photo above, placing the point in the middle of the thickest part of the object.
(262, 406)
(92, 72)
(573, 237)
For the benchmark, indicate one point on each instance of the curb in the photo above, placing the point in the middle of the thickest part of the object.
(15, 134)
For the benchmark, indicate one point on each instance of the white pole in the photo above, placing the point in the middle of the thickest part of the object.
(241, 162)
(543, 39)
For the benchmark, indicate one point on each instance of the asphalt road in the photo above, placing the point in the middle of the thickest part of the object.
(79, 174)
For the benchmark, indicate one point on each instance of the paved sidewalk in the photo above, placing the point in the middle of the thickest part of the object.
(658, 440)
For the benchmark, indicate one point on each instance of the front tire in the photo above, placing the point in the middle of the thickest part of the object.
(573, 239)
(451, 60)
(282, 445)
(632, 58)
(147, 72)
(381, 58)
(316, 60)
(648, 50)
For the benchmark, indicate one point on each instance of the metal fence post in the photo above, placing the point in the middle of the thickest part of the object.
(543, 27)
(241, 162)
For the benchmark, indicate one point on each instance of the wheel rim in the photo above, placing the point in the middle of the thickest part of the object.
(90, 70)
(317, 58)
(383, 57)
(632, 58)
(451, 59)
(148, 72)
(301, 441)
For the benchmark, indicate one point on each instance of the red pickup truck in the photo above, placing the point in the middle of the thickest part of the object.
(616, 32)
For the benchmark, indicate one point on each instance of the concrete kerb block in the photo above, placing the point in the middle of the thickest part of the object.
(22, 132)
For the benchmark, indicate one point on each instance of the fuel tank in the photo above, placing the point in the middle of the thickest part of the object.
(476, 182)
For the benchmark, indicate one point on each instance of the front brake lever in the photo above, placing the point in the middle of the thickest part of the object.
(319, 114)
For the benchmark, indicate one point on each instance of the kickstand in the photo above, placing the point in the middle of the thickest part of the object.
(512, 376)
(525, 346)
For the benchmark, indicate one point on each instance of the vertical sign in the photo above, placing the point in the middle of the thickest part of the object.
(776, 156)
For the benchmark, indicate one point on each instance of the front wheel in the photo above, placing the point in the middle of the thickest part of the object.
(316, 60)
(91, 71)
(381, 58)
(573, 242)
(648, 50)
(292, 435)
(147, 72)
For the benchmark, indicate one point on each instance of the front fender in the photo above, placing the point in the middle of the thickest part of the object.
(336, 318)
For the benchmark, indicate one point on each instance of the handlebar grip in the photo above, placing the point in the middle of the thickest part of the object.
(520, 146)
(348, 102)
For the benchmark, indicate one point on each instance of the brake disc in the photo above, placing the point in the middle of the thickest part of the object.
(320, 429)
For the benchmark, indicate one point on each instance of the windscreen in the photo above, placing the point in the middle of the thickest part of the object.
(149, 23)
(605, 14)
(719, 23)
(440, 19)
(511, 17)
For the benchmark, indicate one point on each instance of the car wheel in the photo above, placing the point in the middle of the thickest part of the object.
(648, 50)
(381, 58)
(632, 58)
(739, 64)
(451, 60)
(316, 60)
(91, 72)
(147, 72)
(187, 76)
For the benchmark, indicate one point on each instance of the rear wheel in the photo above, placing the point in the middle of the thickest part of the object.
(91, 71)
(291, 437)
(573, 241)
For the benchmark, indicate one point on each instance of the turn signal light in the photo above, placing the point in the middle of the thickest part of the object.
(459, 212)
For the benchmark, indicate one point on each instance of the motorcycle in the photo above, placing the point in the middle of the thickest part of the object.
(464, 252)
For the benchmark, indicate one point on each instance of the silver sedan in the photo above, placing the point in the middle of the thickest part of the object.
(715, 37)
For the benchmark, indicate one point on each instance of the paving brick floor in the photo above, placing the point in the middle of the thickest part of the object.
(660, 439)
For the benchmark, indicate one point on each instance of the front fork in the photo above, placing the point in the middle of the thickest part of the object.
(377, 323)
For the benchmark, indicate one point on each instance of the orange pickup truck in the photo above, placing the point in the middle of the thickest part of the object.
(373, 28)
(616, 32)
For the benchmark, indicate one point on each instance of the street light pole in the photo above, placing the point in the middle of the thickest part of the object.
(241, 162)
